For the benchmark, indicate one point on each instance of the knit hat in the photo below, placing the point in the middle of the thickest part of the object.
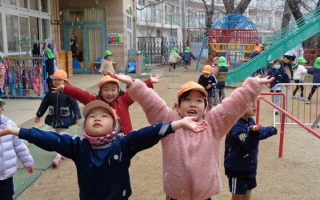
(207, 69)
(317, 63)
(108, 53)
(187, 50)
(108, 78)
(49, 53)
(95, 104)
(300, 60)
(215, 58)
(59, 74)
(222, 62)
(190, 85)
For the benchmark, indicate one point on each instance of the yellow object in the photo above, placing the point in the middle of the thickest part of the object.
(90, 64)
(190, 85)
(108, 79)
(59, 74)
(82, 64)
(207, 69)
(231, 47)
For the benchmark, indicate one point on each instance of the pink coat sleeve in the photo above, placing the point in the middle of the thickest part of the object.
(154, 106)
(226, 114)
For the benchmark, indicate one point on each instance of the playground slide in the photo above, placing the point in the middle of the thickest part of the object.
(277, 45)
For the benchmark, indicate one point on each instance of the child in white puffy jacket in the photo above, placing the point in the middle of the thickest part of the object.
(11, 148)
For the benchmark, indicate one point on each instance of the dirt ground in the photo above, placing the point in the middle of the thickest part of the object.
(295, 176)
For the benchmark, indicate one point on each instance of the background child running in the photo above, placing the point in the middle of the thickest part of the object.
(111, 93)
(316, 78)
(221, 75)
(102, 157)
(106, 63)
(187, 55)
(11, 148)
(191, 164)
(299, 72)
(241, 153)
(63, 110)
(173, 58)
(208, 81)
(280, 76)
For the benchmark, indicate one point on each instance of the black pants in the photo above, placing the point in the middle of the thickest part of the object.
(297, 88)
(173, 65)
(313, 89)
(169, 198)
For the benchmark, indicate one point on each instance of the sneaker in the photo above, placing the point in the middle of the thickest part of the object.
(294, 97)
(307, 101)
(302, 99)
(56, 161)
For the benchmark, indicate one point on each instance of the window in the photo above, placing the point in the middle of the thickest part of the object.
(24, 34)
(259, 22)
(278, 13)
(129, 32)
(10, 2)
(23, 3)
(159, 33)
(253, 12)
(174, 33)
(141, 3)
(34, 4)
(268, 23)
(45, 29)
(44, 6)
(268, 3)
(12, 33)
(34, 34)
(260, 3)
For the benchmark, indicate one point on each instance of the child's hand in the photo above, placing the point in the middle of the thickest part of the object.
(78, 122)
(9, 130)
(37, 119)
(265, 80)
(190, 124)
(122, 77)
(156, 78)
(30, 169)
(255, 127)
(58, 89)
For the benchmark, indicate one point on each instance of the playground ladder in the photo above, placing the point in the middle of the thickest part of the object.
(282, 41)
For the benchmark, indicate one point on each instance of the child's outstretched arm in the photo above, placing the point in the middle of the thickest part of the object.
(148, 136)
(79, 94)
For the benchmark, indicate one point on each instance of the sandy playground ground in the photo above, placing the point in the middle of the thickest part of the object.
(295, 176)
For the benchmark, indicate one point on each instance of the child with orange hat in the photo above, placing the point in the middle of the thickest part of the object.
(208, 81)
(191, 164)
(102, 157)
(63, 110)
(111, 93)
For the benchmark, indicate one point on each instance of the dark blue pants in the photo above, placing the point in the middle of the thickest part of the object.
(6, 189)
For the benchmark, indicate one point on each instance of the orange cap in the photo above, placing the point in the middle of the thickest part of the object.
(95, 104)
(59, 74)
(207, 69)
(108, 78)
(190, 85)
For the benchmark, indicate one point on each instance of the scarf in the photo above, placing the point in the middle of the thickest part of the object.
(97, 141)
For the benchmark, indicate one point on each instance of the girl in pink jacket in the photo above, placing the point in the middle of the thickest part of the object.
(191, 163)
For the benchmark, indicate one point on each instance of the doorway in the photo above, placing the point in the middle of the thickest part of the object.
(87, 43)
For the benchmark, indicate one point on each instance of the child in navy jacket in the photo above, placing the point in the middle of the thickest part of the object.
(103, 156)
(241, 154)
(280, 76)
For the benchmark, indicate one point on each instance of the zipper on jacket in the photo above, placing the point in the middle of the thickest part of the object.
(57, 110)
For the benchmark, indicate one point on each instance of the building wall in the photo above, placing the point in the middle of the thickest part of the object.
(116, 23)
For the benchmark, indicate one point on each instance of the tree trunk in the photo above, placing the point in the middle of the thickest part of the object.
(313, 42)
(286, 15)
(242, 6)
(229, 5)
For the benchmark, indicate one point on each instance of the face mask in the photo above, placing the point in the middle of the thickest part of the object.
(277, 66)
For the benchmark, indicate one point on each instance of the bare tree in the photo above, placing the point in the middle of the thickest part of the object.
(312, 42)
(240, 8)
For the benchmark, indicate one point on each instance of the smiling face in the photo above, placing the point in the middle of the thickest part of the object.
(109, 91)
(99, 122)
(250, 112)
(192, 104)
